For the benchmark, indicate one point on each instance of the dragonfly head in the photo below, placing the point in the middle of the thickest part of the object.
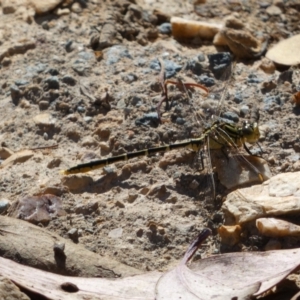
(251, 132)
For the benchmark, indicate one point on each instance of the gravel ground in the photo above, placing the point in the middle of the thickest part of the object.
(85, 79)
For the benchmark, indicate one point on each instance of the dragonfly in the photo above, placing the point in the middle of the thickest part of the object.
(219, 135)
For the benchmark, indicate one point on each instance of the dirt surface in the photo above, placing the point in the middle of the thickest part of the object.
(86, 81)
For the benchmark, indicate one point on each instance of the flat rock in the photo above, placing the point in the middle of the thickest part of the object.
(278, 196)
(37, 209)
(286, 52)
(237, 171)
(42, 6)
(44, 120)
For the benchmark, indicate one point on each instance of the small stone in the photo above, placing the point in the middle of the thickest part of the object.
(115, 53)
(43, 105)
(273, 10)
(116, 233)
(195, 66)
(150, 119)
(45, 25)
(219, 62)
(194, 184)
(52, 82)
(73, 235)
(296, 166)
(59, 248)
(171, 68)
(76, 8)
(86, 208)
(44, 120)
(54, 163)
(165, 28)
(267, 66)
(207, 81)
(62, 11)
(120, 204)
(15, 94)
(69, 46)
(253, 78)
(69, 80)
(52, 71)
(132, 197)
(6, 61)
(231, 116)
(180, 121)
(232, 22)
(8, 7)
(230, 235)
(129, 78)
(244, 111)
(4, 205)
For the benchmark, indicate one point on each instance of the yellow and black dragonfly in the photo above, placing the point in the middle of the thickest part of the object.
(221, 134)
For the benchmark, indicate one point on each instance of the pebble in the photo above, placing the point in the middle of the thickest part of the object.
(15, 94)
(52, 82)
(115, 53)
(231, 116)
(4, 205)
(43, 105)
(129, 78)
(150, 119)
(252, 78)
(6, 61)
(207, 81)
(180, 121)
(73, 234)
(80, 66)
(238, 97)
(52, 71)
(44, 120)
(195, 66)
(273, 10)
(267, 66)
(68, 79)
(165, 28)
(269, 101)
(171, 68)
(21, 82)
(219, 62)
(69, 46)
(244, 110)
(201, 57)
(76, 8)
(81, 109)
(116, 233)
(286, 76)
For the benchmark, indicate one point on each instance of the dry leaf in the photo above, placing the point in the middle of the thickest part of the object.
(229, 276)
